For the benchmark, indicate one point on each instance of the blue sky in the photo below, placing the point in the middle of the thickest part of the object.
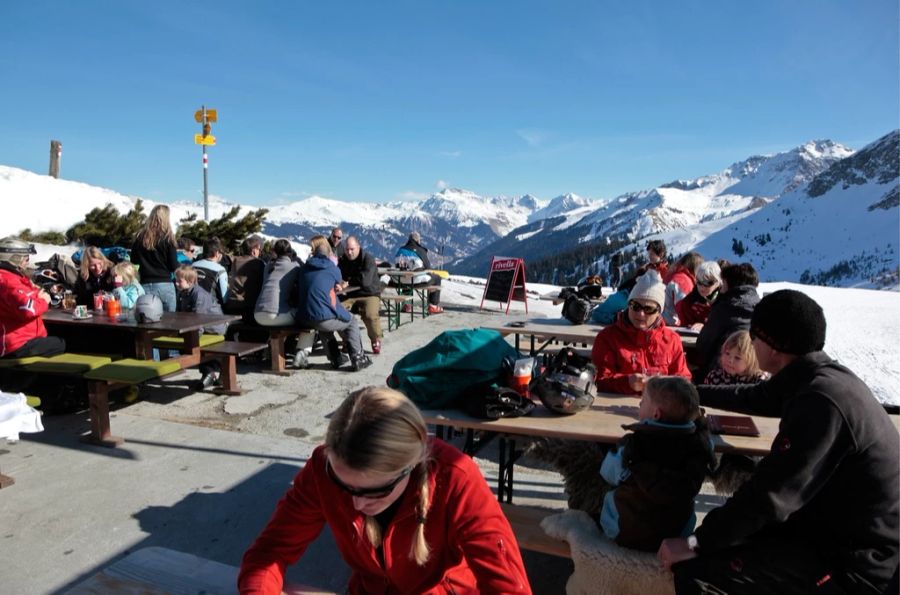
(379, 101)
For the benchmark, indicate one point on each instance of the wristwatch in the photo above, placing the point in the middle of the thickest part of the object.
(692, 542)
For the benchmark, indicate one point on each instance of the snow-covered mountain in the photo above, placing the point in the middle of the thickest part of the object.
(840, 229)
(819, 212)
(453, 222)
(683, 213)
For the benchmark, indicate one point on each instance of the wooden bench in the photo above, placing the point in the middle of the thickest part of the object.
(226, 353)
(277, 336)
(157, 570)
(393, 304)
(601, 566)
(124, 372)
(526, 525)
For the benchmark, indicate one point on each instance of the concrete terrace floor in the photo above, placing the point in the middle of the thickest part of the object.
(200, 473)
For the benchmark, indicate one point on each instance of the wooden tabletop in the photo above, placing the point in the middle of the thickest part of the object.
(601, 423)
(171, 322)
(563, 330)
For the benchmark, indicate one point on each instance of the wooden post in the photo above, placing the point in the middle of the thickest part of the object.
(55, 154)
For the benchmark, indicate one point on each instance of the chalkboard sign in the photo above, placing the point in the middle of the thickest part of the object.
(506, 282)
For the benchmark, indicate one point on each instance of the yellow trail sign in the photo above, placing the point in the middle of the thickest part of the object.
(211, 116)
(209, 139)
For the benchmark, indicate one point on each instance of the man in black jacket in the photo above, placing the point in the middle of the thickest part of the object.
(358, 269)
(820, 513)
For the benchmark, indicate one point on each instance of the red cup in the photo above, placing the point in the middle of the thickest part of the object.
(112, 307)
(98, 302)
(520, 384)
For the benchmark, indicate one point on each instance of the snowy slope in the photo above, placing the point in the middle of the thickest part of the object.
(42, 203)
(846, 234)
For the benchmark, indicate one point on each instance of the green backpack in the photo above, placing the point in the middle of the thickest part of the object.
(439, 374)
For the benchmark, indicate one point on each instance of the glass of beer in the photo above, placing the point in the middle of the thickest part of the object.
(68, 301)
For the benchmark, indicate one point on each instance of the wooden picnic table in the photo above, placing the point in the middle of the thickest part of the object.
(601, 423)
(403, 279)
(549, 330)
(185, 324)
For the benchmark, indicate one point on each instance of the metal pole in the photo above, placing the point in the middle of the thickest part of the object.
(205, 169)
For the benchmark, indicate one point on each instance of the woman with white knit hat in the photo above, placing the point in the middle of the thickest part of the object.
(638, 345)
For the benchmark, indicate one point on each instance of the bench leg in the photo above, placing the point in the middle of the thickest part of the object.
(228, 375)
(276, 346)
(101, 435)
(6, 481)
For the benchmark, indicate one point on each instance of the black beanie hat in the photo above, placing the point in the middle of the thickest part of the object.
(790, 322)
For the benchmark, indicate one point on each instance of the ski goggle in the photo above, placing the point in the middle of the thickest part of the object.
(641, 309)
(374, 492)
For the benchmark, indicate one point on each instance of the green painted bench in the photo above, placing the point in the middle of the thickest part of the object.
(124, 372)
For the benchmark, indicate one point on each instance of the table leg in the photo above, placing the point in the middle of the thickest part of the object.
(101, 434)
(6, 481)
(143, 345)
(510, 467)
(501, 473)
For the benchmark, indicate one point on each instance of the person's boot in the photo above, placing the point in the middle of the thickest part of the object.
(301, 359)
(359, 362)
(334, 354)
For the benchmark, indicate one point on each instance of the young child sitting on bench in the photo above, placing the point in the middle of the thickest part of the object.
(193, 298)
(645, 488)
(655, 472)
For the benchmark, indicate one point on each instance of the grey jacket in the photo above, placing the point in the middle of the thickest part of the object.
(279, 286)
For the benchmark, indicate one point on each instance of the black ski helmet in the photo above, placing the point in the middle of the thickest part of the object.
(564, 393)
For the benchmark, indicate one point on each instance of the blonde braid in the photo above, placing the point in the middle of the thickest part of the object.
(420, 552)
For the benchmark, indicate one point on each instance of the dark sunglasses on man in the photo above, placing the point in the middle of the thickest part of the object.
(374, 492)
(638, 308)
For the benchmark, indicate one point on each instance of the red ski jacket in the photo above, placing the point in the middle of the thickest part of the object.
(621, 350)
(20, 311)
(473, 549)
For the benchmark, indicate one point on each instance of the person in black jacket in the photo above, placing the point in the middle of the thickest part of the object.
(729, 313)
(358, 269)
(155, 252)
(820, 513)
(95, 276)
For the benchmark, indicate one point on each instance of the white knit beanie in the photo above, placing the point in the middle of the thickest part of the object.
(649, 286)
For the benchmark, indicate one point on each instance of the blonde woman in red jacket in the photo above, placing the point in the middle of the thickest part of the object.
(409, 514)
(638, 345)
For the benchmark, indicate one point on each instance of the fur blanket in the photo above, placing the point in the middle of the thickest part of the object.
(601, 566)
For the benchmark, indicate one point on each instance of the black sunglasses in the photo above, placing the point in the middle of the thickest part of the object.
(708, 283)
(638, 308)
(374, 492)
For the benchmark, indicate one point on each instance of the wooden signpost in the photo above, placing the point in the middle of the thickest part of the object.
(506, 282)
